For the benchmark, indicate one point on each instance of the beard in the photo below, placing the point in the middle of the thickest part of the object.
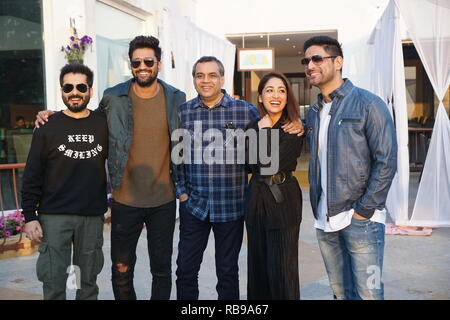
(78, 108)
(146, 82)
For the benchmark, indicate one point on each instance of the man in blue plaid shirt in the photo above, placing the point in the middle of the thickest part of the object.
(212, 194)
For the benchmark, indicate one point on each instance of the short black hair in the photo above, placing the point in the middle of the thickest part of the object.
(209, 59)
(20, 118)
(76, 68)
(140, 42)
(329, 44)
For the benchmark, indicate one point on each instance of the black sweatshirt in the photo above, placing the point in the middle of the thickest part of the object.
(65, 170)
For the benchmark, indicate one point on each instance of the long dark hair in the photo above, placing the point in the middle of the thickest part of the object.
(291, 110)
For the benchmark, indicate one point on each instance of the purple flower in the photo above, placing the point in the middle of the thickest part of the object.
(68, 48)
(87, 39)
(72, 38)
(7, 234)
(109, 200)
(76, 46)
(18, 228)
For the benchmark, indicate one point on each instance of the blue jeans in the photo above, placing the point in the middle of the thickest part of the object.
(353, 259)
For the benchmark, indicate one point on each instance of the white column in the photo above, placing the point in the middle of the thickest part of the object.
(56, 26)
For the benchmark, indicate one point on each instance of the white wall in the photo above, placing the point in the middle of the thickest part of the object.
(354, 21)
(56, 28)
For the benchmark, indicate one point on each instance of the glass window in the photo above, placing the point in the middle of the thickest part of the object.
(112, 45)
(419, 91)
(21, 82)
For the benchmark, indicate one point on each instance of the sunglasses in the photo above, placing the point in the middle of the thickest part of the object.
(137, 62)
(316, 59)
(81, 87)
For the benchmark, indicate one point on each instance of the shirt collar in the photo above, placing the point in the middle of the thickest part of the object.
(225, 102)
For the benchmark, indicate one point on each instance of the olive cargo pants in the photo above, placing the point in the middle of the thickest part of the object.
(55, 253)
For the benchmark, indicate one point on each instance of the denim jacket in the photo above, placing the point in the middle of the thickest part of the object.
(361, 152)
(117, 106)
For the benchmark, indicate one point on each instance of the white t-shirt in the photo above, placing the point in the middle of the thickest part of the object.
(343, 219)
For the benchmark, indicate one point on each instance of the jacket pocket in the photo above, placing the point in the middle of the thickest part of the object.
(350, 120)
(357, 178)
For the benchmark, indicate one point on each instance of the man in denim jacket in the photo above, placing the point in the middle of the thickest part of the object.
(141, 113)
(353, 161)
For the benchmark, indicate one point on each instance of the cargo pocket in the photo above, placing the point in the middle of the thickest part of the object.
(99, 258)
(43, 265)
(91, 262)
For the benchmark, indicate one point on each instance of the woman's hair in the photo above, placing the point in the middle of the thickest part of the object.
(291, 110)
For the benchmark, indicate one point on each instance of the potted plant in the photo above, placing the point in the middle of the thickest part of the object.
(75, 50)
(12, 244)
(12, 224)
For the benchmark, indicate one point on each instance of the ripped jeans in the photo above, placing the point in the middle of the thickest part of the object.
(126, 227)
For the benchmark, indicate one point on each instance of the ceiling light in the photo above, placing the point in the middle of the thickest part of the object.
(287, 39)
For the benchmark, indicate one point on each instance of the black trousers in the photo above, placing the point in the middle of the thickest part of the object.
(194, 234)
(272, 234)
(126, 227)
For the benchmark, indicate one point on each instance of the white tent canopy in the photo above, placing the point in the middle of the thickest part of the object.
(428, 23)
(183, 43)
(388, 81)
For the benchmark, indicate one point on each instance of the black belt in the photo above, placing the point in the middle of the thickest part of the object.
(273, 181)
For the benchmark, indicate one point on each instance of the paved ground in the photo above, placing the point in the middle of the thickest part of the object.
(414, 268)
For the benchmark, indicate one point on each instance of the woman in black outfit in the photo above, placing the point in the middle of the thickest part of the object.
(274, 205)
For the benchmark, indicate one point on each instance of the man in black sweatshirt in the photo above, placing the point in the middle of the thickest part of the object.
(64, 190)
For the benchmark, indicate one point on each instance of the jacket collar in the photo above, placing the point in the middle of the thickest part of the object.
(340, 92)
(124, 87)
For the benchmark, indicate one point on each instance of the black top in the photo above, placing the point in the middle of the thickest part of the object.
(290, 147)
(65, 170)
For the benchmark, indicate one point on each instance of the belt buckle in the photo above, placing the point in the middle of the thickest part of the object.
(275, 179)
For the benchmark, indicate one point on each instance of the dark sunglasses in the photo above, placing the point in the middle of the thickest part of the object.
(137, 62)
(316, 59)
(81, 87)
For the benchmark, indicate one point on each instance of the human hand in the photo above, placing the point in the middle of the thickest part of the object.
(295, 127)
(33, 230)
(265, 122)
(42, 117)
(183, 197)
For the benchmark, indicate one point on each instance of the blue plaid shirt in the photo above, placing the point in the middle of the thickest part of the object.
(214, 189)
